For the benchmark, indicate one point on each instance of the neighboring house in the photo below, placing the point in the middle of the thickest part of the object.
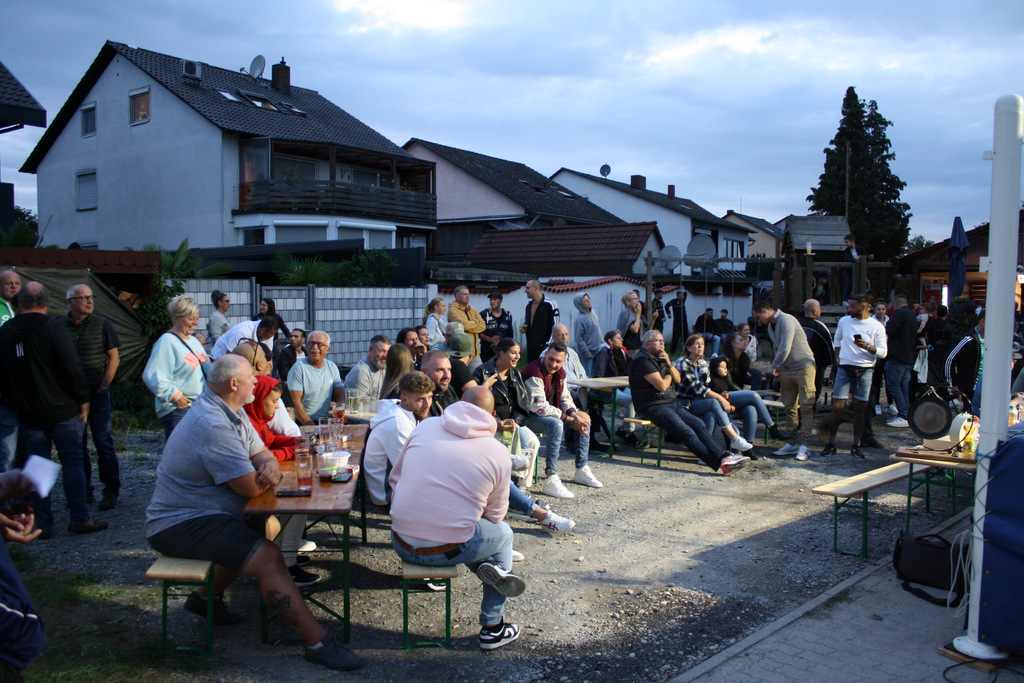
(154, 148)
(17, 109)
(766, 238)
(824, 234)
(477, 193)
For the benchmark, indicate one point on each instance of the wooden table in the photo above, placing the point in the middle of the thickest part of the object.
(935, 465)
(604, 384)
(328, 498)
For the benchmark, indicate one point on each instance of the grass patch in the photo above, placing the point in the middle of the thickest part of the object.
(98, 631)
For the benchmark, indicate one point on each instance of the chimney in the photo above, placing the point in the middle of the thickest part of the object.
(638, 182)
(281, 77)
(671, 191)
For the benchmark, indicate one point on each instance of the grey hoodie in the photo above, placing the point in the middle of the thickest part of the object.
(586, 329)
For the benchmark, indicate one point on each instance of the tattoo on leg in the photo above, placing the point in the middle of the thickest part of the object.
(281, 605)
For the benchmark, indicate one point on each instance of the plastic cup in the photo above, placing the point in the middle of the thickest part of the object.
(304, 471)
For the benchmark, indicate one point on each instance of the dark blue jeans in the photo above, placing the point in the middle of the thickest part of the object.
(67, 437)
(171, 420)
(8, 437)
(684, 427)
(103, 442)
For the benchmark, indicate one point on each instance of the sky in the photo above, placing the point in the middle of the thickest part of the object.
(731, 101)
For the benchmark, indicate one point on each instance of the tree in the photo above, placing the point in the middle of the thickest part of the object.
(917, 243)
(371, 268)
(23, 232)
(872, 206)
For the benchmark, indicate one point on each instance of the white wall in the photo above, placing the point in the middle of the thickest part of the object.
(459, 195)
(159, 181)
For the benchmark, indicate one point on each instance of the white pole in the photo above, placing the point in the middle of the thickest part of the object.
(999, 309)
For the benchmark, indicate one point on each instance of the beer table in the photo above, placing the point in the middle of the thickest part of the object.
(605, 384)
(327, 498)
(938, 468)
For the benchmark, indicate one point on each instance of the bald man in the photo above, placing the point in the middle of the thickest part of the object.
(450, 494)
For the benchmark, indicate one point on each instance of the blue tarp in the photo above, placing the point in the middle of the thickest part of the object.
(1001, 616)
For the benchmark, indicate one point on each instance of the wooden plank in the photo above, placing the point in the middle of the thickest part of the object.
(422, 571)
(939, 456)
(858, 484)
(179, 569)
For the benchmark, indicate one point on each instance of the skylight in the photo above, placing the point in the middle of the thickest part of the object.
(229, 96)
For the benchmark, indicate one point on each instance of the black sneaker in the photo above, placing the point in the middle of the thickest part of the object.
(856, 452)
(334, 655)
(493, 637)
(829, 449)
(506, 583)
(108, 502)
(301, 577)
(222, 616)
(301, 560)
(777, 434)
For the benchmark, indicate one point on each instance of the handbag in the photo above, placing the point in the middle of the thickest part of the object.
(931, 561)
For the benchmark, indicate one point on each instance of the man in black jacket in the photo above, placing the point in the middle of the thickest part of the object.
(819, 338)
(676, 310)
(901, 331)
(41, 380)
(965, 361)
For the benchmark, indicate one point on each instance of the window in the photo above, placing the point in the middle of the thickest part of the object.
(140, 106)
(229, 96)
(292, 108)
(733, 248)
(253, 237)
(88, 120)
(86, 191)
(260, 101)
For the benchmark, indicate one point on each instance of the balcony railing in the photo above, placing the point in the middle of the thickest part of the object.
(325, 196)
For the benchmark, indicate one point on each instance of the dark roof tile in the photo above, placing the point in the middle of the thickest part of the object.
(17, 106)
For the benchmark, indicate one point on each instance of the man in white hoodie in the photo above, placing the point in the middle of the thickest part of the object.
(450, 496)
(389, 430)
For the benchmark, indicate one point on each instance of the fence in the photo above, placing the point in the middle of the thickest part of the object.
(351, 315)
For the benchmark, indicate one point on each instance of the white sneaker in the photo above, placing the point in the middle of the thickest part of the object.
(803, 453)
(554, 487)
(878, 410)
(740, 444)
(788, 449)
(519, 463)
(891, 410)
(556, 524)
(586, 477)
(732, 463)
(517, 556)
(897, 422)
(307, 547)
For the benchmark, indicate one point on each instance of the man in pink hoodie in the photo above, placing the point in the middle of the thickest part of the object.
(450, 493)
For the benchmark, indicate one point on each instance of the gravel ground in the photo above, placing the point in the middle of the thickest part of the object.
(665, 568)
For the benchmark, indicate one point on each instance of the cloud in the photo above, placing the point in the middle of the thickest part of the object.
(402, 15)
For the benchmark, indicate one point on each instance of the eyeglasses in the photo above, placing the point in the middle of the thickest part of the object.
(655, 341)
(319, 345)
(83, 298)
(255, 350)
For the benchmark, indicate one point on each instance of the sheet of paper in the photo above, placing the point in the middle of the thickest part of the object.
(42, 472)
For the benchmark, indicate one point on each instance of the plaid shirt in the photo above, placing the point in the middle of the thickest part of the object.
(694, 377)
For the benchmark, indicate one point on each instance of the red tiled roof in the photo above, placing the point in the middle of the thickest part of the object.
(566, 250)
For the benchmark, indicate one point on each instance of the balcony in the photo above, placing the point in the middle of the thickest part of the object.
(337, 199)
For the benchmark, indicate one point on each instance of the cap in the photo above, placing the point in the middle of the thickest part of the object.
(460, 345)
(495, 295)
(454, 328)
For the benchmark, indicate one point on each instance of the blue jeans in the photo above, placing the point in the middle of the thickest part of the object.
(751, 409)
(519, 501)
(103, 442)
(712, 412)
(554, 431)
(67, 437)
(685, 428)
(754, 378)
(8, 437)
(171, 420)
(492, 542)
(897, 378)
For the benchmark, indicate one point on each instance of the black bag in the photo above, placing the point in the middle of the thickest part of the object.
(929, 561)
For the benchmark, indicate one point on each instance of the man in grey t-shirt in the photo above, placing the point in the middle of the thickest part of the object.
(212, 464)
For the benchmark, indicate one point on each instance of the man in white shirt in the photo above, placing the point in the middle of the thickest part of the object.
(260, 330)
(390, 428)
(860, 341)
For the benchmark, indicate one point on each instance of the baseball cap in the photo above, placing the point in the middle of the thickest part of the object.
(460, 345)
(454, 328)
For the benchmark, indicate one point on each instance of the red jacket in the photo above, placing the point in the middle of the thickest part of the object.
(282, 446)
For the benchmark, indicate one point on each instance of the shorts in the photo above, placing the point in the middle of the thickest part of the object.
(847, 376)
(222, 539)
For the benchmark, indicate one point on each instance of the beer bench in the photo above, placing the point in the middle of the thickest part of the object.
(174, 572)
(414, 580)
(854, 494)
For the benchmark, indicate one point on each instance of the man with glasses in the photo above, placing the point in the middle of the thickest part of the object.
(97, 344)
(314, 381)
(652, 380)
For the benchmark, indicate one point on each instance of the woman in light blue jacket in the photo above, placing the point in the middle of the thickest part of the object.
(175, 372)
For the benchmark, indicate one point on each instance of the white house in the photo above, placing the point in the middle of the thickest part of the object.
(154, 148)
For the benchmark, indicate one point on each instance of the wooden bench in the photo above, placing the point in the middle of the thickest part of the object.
(646, 429)
(850, 489)
(414, 580)
(174, 572)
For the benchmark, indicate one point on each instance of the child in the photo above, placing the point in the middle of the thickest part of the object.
(748, 404)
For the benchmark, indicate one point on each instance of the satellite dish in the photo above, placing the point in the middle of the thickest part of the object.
(257, 66)
(605, 170)
(672, 255)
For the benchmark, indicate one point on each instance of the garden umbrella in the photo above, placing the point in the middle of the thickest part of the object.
(957, 259)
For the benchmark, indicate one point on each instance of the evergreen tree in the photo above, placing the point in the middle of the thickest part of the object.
(876, 215)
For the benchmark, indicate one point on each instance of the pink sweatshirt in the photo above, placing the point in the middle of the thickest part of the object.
(451, 472)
